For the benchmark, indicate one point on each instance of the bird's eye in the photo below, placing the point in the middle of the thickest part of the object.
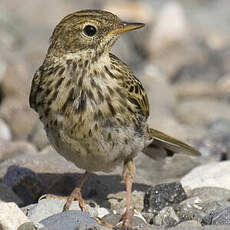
(90, 30)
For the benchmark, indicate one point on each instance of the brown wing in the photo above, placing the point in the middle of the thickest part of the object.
(167, 144)
(133, 87)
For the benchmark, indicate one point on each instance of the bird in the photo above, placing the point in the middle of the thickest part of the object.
(93, 108)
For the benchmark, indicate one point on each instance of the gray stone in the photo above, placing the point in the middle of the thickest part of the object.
(163, 195)
(167, 217)
(210, 175)
(209, 194)
(69, 220)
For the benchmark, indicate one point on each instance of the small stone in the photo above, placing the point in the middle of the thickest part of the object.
(118, 200)
(24, 182)
(7, 195)
(31, 226)
(190, 209)
(10, 149)
(210, 175)
(11, 217)
(38, 136)
(163, 195)
(69, 220)
(115, 219)
(167, 217)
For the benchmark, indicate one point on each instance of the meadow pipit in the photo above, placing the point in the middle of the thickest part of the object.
(93, 108)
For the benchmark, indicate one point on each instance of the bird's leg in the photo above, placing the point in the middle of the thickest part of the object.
(128, 175)
(76, 195)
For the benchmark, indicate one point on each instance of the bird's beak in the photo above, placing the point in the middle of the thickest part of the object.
(126, 26)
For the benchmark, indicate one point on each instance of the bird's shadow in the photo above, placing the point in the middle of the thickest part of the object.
(96, 187)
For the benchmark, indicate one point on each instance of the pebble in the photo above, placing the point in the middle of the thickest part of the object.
(117, 201)
(11, 217)
(31, 226)
(166, 217)
(210, 175)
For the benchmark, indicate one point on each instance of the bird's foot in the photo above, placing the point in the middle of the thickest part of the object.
(74, 196)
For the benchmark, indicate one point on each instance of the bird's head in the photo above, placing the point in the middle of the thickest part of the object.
(88, 30)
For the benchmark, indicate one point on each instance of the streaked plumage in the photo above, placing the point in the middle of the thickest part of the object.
(93, 108)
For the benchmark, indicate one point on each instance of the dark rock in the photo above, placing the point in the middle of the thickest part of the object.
(69, 220)
(217, 213)
(163, 195)
(24, 182)
(221, 217)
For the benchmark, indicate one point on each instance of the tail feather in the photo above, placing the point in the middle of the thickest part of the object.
(167, 145)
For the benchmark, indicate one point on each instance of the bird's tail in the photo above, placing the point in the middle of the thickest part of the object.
(166, 145)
